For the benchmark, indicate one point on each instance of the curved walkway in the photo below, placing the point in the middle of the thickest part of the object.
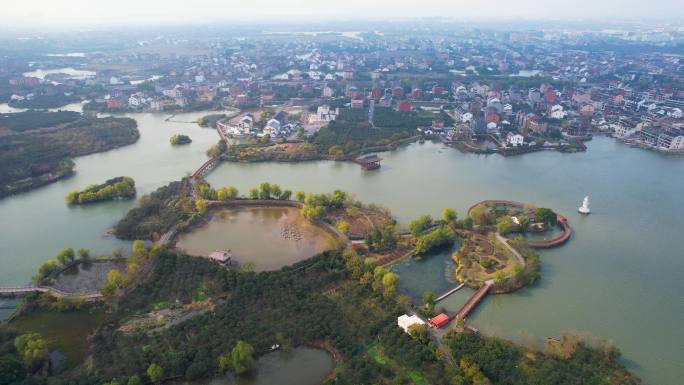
(510, 248)
(567, 232)
(563, 221)
(18, 290)
(450, 292)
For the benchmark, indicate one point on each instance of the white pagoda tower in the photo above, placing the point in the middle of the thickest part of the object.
(584, 209)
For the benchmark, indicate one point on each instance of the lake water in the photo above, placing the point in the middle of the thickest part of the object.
(269, 237)
(619, 277)
(72, 72)
(41, 223)
(435, 272)
(298, 366)
(59, 331)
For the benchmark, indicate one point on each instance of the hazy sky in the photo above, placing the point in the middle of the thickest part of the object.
(15, 13)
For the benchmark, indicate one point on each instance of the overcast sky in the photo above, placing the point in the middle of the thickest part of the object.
(74, 13)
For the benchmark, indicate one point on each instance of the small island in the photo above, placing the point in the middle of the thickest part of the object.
(57, 137)
(490, 254)
(116, 188)
(180, 139)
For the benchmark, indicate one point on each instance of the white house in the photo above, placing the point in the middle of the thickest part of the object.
(677, 143)
(272, 127)
(246, 123)
(134, 101)
(557, 112)
(515, 139)
(325, 114)
(622, 131)
(405, 321)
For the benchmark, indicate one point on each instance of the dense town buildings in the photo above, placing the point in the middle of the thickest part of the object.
(551, 89)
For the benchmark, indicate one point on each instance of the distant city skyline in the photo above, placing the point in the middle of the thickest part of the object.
(86, 13)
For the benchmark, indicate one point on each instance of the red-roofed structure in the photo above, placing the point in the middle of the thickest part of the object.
(439, 320)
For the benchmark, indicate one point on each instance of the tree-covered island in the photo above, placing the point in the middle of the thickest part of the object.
(180, 139)
(116, 188)
(39, 147)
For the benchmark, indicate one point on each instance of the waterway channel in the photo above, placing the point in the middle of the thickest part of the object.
(619, 277)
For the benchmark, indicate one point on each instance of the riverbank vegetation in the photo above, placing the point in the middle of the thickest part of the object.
(349, 136)
(179, 139)
(32, 159)
(30, 120)
(486, 360)
(170, 206)
(210, 120)
(47, 270)
(312, 301)
(45, 101)
(116, 188)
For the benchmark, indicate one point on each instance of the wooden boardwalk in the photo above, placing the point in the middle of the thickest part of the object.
(474, 300)
(450, 292)
(19, 290)
(567, 232)
(563, 221)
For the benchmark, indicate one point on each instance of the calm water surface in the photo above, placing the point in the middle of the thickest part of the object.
(298, 366)
(269, 237)
(619, 277)
(72, 72)
(37, 224)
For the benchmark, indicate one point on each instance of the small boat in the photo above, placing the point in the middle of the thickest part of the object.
(584, 209)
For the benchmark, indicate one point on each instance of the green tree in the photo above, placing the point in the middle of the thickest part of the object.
(429, 298)
(524, 223)
(342, 226)
(449, 215)
(389, 283)
(139, 249)
(300, 195)
(419, 333)
(134, 380)
(232, 192)
(117, 253)
(265, 190)
(435, 238)
(336, 150)
(224, 362)
(32, 348)
(545, 215)
(418, 225)
(201, 206)
(11, 370)
(66, 256)
(241, 357)
(276, 191)
(389, 236)
(222, 194)
(505, 225)
(253, 193)
(248, 266)
(155, 373)
(72, 197)
(83, 253)
(478, 215)
(285, 195)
